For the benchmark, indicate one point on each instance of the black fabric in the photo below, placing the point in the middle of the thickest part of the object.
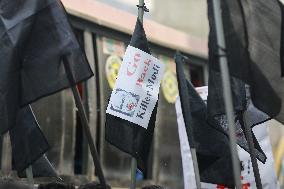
(27, 140)
(253, 45)
(29, 145)
(56, 186)
(13, 184)
(212, 146)
(242, 105)
(184, 98)
(129, 137)
(153, 187)
(241, 93)
(282, 39)
(34, 36)
(94, 185)
(41, 168)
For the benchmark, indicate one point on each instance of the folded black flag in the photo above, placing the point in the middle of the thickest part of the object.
(236, 53)
(212, 146)
(29, 145)
(242, 106)
(41, 168)
(125, 135)
(34, 36)
(254, 48)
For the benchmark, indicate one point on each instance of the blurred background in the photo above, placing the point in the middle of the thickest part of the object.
(104, 28)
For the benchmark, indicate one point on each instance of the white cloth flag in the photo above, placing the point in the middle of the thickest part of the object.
(267, 172)
(187, 164)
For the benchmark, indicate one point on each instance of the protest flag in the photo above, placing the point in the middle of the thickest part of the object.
(254, 48)
(251, 35)
(212, 146)
(41, 56)
(242, 106)
(34, 37)
(132, 108)
(29, 146)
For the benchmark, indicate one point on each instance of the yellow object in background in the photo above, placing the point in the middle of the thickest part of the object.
(169, 83)
(279, 156)
(112, 66)
(170, 86)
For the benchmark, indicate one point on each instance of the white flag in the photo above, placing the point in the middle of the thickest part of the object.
(267, 171)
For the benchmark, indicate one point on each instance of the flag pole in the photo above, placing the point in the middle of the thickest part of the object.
(248, 134)
(85, 122)
(227, 90)
(141, 8)
(194, 157)
(30, 177)
(195, 168)
(133, 173)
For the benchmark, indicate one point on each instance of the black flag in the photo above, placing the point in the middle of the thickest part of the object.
(29, 145)
(254, 48)
(212, 146)
(242, 107)
(34, 37)
(41, 168)
(241, 92)
(127, 136)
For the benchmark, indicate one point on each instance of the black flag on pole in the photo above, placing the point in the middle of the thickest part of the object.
(41, 168)
(29, 145)
(125, 135)
(34, 36)
(212, 146)
(254, 48)
(243, 105)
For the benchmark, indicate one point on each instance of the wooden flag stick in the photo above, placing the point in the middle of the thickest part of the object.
(30, 177)
(6, 159)
(85, 122)
(248, 134)
(227, 90)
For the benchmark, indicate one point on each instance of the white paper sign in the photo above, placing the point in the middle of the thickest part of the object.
(137, 87)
